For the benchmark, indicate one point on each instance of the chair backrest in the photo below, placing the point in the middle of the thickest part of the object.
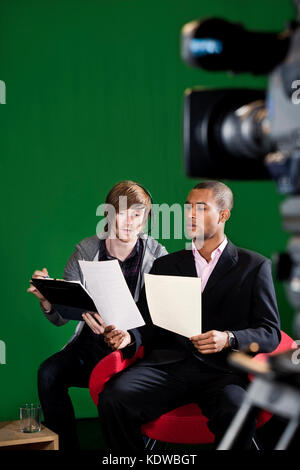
(285, 344)
(107, 368)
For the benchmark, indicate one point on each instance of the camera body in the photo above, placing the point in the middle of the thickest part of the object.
(248, 134)
(244, 133)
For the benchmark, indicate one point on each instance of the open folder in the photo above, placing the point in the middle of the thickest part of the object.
(65, 293)
(105, 291)
(175, 303)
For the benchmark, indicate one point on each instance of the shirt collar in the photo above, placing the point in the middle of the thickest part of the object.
(218, 250)
(103, 253)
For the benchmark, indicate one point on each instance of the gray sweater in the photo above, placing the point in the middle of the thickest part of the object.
(88, 250)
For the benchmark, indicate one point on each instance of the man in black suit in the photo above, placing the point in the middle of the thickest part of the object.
(238, 308)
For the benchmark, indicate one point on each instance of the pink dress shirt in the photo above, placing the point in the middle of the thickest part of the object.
(204, 269)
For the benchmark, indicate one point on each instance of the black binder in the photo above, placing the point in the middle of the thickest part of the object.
(69, 298)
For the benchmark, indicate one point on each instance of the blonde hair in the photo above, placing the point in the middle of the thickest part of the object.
(135, 193)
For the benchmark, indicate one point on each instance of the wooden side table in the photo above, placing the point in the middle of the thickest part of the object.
(11, 438)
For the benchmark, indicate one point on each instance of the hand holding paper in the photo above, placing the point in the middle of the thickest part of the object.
(210, 342)
(116, 339)
(95, 322)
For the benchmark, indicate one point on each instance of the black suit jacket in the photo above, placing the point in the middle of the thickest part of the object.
(239, 296)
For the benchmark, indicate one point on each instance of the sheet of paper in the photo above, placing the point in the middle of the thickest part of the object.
(106, 284)
(175, 303)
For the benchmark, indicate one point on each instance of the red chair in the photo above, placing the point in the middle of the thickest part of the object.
(184, 425)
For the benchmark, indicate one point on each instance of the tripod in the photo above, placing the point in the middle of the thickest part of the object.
(275, 389)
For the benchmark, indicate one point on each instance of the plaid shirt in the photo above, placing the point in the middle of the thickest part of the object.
(130, 266)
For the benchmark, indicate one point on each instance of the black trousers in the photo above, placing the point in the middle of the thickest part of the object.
(143, 392)
(70, 367)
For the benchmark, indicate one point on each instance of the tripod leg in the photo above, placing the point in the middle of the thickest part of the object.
(287, 434)
(256, 443)
(150, 444)
(235, 427)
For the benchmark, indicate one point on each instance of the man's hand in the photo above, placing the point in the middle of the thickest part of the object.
(33, 290)
(95, 322)
(116, 339)
(210, 342)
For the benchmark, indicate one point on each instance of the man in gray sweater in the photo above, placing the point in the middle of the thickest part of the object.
(72, 366)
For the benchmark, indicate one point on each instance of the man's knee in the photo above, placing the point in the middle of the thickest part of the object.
(232, 398)
(116, 394)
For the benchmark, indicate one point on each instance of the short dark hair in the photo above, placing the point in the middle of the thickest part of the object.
(222, 193)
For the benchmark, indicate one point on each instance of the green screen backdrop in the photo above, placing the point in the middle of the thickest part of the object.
(94, 95)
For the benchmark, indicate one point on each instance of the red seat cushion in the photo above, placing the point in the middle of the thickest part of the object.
(184, 425)
(107, 368)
